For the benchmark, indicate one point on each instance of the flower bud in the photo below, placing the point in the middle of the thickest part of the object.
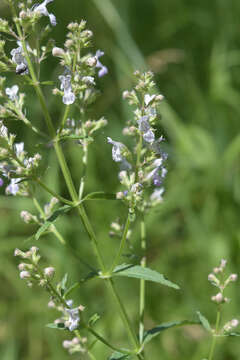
(24, 274)
(233, 277)
(218, 298)
(56, 51)
(49, 272)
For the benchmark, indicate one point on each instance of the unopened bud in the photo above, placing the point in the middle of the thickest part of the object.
(218, 298)
(24, 274)
(49, 272)
(233, 277)
(56, 51)
(23, 14)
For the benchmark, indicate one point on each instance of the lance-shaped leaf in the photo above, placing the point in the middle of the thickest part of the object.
(204, 321)
(120, 356)
(150, 334)
(138, 272)
(62, 210)
(100, 195)
(59, 326)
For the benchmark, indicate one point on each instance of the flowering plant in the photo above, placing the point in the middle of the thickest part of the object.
(142, 170)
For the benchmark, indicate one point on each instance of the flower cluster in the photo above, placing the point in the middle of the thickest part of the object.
(217, 279)
(70, 316)
(30, 271)
(143, 167)
(78, 81)
(15, 164)
(75, 345)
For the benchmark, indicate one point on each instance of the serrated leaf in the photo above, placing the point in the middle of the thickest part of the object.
(119, 356)
(138, 272)
(100, 195)
(204, 321)
(52, 219)
(150, 334)
(93, 319)
(59, 326)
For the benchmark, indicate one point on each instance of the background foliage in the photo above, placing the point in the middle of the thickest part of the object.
(193, 49)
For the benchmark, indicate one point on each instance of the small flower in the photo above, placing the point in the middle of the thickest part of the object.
(19, 149)
(145, 128)
(68, 97)
(73, 320)
(42, 9)
(13, 187)
(12, 92)
(103, 69)
(117, 150)
(157, 195)
(148, 99)
(1, 182)
(158, 173)
(19, 59)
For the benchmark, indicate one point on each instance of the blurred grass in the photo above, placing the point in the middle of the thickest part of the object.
(193, 48)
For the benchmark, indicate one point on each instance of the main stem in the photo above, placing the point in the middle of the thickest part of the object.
(72, 190)
(142, 281)
(214, 339)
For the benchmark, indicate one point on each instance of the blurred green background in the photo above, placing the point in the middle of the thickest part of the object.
(193, 47)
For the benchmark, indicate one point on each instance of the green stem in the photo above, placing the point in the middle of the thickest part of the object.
(104, 341)
(214, 338)
(65, 116)
(123, 314)
(122, 244)
(53, 193)
(142, 281)
(138, 162)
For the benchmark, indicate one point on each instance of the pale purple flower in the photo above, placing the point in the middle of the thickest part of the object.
(103, 69)
(73, 321)
(1, 182)
(68, 97)
(19, 59)
(157, 195)
(42, 9)
(117, 150)
(13, 187)
(145, 128)
(158, 173)
(12, 92)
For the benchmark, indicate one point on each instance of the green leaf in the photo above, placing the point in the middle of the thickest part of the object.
(138, 272)
(119, 356)
(76, 137)
(52, 219)
(204, 321)
(71, 289)
(93, 319)
(150, 334)
(234, 334)
(59, 326)
(100, 195)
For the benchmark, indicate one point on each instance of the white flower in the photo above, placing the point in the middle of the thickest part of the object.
(42, 9)
(117, 150)
(68, 97)
(12, 92)
(148, 99)
(19, 149)
(3, 131)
